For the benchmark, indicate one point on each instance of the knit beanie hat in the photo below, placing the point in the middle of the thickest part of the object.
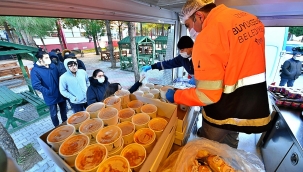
(185, 42)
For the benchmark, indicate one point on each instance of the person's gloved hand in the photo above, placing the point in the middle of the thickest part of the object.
(170, 95)
(146, 68)
(192, 81)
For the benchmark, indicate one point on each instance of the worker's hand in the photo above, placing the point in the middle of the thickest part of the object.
(170, 95)
(192, 81)
(146, 68)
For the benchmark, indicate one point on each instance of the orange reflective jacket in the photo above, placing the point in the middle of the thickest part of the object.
(229, 66)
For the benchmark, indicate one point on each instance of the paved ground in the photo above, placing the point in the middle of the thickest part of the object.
(30, 133)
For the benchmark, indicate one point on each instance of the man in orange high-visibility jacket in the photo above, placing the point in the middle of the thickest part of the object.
(229, 65)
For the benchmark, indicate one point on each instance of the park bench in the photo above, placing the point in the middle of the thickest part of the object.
(36, 101)
(9, 71)
(105, 55)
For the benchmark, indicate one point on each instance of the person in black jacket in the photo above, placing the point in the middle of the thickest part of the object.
(112, 88)
(56, 60)
(291, 70)
(98, 85)
(185, 45)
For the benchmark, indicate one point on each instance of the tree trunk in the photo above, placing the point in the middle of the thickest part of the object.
(120, 34)
(45, 49)
(7, 143)
(8, 32)
(95, 44)
(32, 41)
(24, 37)
(162, 32)
(59, 36)
(131, 30)
(141, 29)
(110, 44)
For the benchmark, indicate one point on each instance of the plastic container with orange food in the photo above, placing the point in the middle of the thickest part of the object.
(113, 101)
(135, 154)
(157, 125)
(56, 137)
(145, 137)
(155, 92)
(124, 95)
(90, 158)
(94, 109)
(150, 109)
(77, 119)
(110, 137)
(70, 148)
(135, 105)
(109, 116)
(126, 114)
(115, 163)
(128, 131)
(141, 120)
(91, 127)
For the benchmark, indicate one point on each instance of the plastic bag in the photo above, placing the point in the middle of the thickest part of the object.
(168, 164)
(238, 159)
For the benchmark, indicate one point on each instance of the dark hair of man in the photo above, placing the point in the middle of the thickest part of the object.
(207, 8)
(58, 49)
(39, 54)
(95, 73)
(111, 89)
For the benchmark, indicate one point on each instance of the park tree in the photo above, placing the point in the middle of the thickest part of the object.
(131, 33)
(93, 28)
(110, 43)
(29, 27)
(297, 31)
(121, 26)
(148, 28)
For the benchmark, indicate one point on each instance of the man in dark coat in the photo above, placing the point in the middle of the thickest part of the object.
(55, 59)
(291, 70)
(59, 54)
(45, 78)
(185, 45)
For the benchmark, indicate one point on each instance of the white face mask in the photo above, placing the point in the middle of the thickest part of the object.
(184, 55)
(193, 34)
(294, 57)
(47, 61)
(101, 80)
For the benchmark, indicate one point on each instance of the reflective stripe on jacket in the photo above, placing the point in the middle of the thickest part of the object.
(229, 64)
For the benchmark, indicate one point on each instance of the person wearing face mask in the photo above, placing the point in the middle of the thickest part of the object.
(98, 85)
(45, 78)
(185, 46)
(73, 85)
(113, 87)
(291, 69)
(55, 59)
(229, 64)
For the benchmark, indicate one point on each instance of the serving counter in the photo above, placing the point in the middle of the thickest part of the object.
(282, 148)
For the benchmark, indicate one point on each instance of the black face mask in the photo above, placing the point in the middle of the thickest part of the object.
(55, 61)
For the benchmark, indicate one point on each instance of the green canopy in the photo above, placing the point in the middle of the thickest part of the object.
(22, 51)
(139, 40)
(161, 40)
(7, 48)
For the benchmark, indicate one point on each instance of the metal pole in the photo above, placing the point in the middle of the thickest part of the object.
(62, 34)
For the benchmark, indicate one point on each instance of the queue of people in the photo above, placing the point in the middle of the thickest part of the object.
(65, 82)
